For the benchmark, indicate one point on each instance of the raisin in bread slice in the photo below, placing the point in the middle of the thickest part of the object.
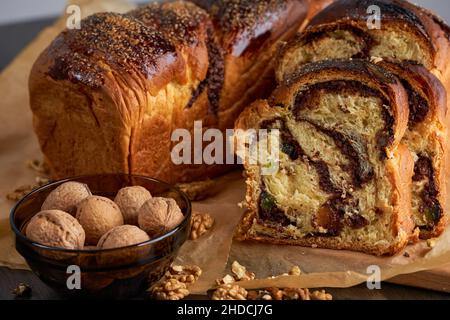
(417, 41)
(344, 178)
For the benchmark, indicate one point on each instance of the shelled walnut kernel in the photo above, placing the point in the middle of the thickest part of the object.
(201, 224)
(321, 295)
(295, 271)
(241, 273)
(184, 274)
(170, 289)
(174, 285)
(230, 292)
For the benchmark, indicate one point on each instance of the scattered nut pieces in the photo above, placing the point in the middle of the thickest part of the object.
(22, 291)
(38, 166)
(98, 215)
(198, 190)
(56, 228)
(22, 191)
(184, 274)
(169, 289)
(321, 295)
(159, 215)
(66, 197)
(40, 181)
(19, 192)
(229, 288)
(130, 200)
(295, 294)
(240, 272)
(201, 223)
(375, 59)
(259, 295)
(288, 294)
(295, 271)
(225, 280)
(230, 292)
(174, 284)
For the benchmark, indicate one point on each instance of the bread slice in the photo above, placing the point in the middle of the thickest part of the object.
(344, 178)
(412, 44)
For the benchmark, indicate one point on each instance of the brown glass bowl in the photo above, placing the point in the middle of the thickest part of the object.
(104, 273)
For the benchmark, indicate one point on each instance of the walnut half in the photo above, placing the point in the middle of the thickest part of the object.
(170, 289)
(230, 292)
(175, 283)
(201, 223)
(184, 274)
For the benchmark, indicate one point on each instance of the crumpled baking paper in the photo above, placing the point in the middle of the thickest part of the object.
(212, 252)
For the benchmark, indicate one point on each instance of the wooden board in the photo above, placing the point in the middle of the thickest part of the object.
(438, 279)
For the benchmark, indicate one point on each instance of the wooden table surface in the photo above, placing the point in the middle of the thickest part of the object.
(10, 279)
(12, 39)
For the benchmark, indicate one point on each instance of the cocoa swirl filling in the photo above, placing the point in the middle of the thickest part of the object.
(355, 148)
(292, 148)
(306, 99)
(215, 77)
(332, 216)
(364, 39)
(336, 212)
(431, 208)
(418, 106)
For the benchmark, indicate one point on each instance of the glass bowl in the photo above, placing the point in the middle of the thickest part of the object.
(101, 273)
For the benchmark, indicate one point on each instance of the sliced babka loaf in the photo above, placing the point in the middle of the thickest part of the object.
(418, 42)
(344, 179)
(345, 30)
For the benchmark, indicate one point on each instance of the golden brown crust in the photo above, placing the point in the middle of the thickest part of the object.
(107, 98)
(429, 31)
(401, 173)
(429, 86)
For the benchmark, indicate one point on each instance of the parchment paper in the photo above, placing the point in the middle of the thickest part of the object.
(322, 268)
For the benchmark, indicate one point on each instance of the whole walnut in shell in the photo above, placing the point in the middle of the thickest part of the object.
(66, 197)
(159, 215)
(56, 228)
(122, 236)
(130, 200)
(98, 215)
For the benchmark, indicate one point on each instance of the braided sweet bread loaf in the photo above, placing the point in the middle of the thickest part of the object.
(414, 45)
(107, 97)
(344, 180)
